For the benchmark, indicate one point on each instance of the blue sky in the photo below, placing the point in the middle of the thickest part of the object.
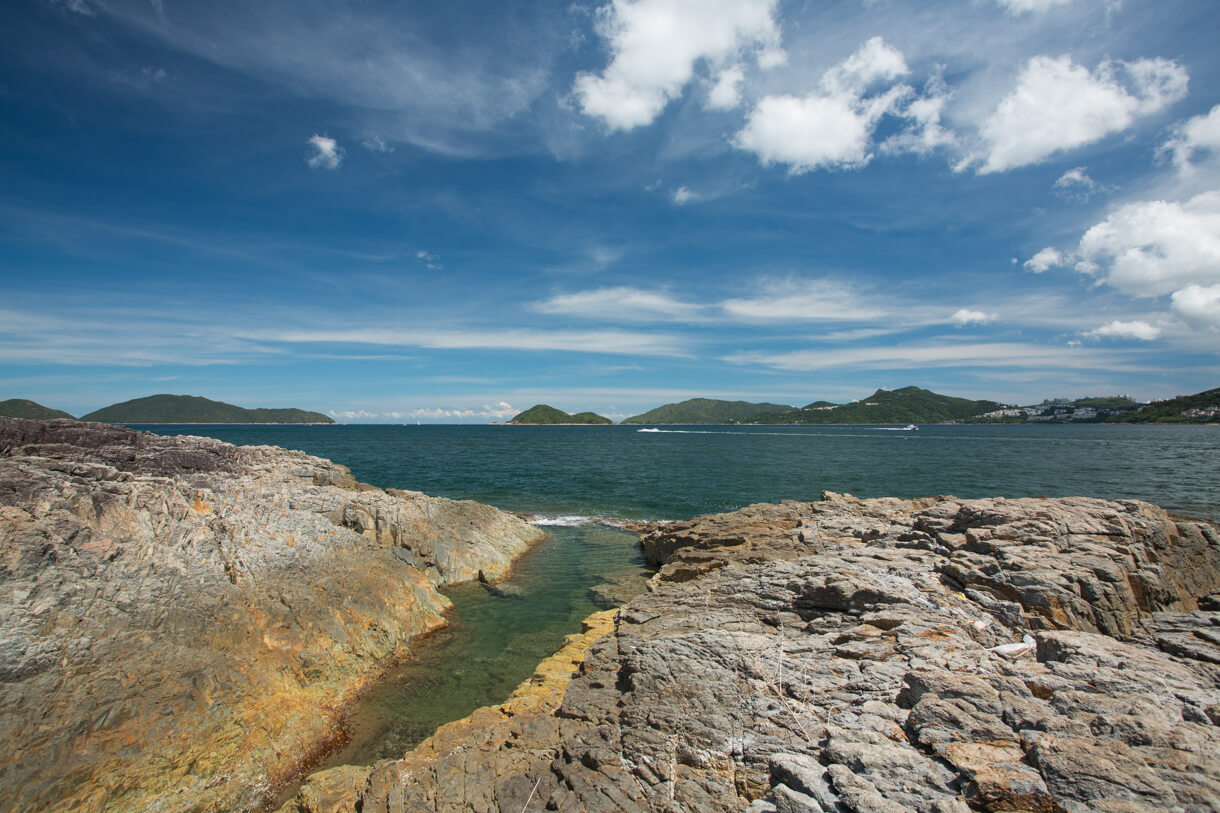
(451, 212)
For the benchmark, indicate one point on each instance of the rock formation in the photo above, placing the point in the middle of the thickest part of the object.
(183, 619)
(875, 656)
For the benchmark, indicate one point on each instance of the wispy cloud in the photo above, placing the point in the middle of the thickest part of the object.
(803, 300)
(1126, 330)
(622, 304)
(989, 355)
(615, 342)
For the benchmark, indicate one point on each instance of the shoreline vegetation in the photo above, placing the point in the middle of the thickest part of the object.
(908, 405)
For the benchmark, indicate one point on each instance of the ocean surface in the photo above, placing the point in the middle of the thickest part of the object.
(568, 476)
(677, 472)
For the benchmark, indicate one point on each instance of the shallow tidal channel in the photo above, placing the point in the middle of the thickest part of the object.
(497, 635)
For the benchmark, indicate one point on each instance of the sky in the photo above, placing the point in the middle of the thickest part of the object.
(449, 212)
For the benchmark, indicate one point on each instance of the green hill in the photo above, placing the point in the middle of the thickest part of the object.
(1204, 405)
(25, 408)
(706, 411)
(906, 405)
(543, 415)
(195, 409)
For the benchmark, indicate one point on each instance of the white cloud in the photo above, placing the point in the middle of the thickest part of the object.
(801, 300)
(499, 411)
(376, 144)
(656, 45)
(78, 6)
(430, 260)
(1199, 304)
(1127, 330)
(1198, 134)
(324, 153)
(620, 342)
(964, 317)
(726, 92)
(683, 195)
(1045, 259)
(1058, 105)
(923, 132)
(1153, 248)
(1075, 184)
(988, 354)
(621, 304)
(833, 126)
(1035, 6)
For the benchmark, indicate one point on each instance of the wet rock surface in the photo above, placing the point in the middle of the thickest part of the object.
(182, 619)
(934, 655)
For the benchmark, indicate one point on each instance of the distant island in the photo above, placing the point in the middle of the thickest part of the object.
(30, 410)
(913, 405)
(196, 409)
(544, 415)
(706, 411)
(908, 405)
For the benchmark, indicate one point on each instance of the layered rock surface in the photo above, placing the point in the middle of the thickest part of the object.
(878, 656)
(182, 619)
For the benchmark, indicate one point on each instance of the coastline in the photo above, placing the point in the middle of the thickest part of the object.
(286, 588)
(815, 656)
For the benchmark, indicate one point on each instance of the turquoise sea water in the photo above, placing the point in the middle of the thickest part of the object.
(570, 474)
(681, 471)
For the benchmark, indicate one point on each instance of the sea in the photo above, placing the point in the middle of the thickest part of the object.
(578, 482)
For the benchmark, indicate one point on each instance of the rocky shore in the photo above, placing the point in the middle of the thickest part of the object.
(183, 619)
(876, 656)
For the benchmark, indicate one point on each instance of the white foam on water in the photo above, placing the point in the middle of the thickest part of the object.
(565, 521)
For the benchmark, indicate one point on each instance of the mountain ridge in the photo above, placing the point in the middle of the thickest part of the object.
(188, 409)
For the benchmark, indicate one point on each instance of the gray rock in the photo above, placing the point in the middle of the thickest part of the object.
(842, 656)
(183, 619)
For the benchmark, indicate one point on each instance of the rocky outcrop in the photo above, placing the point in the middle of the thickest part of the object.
(183, 619)
(933, 655)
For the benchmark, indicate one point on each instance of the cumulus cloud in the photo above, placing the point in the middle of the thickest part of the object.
(833, 126)
(965, 316)
(923, 131)
(1153, 248)
(726, 92)
(1199, 304)
(1059, 105)
(498, 411)
(1045, 260)
(324, 153)
(1198, 134)
(656, 45)
(1127, 330)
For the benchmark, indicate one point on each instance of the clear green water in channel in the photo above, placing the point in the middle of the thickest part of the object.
(497, 637)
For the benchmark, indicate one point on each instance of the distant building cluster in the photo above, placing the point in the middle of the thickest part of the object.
(1202, 412)
(1053, 412)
